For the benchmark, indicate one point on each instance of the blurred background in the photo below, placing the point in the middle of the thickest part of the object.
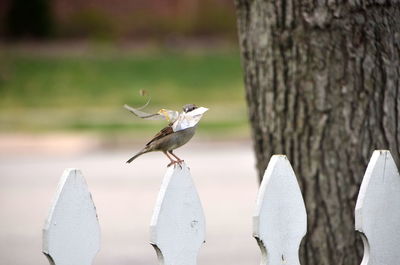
(71, 65)
(66, 69)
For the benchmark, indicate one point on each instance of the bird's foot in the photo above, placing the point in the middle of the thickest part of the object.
(172, 163)
(178, 162)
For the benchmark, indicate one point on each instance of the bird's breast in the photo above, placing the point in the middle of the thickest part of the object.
(174, 140)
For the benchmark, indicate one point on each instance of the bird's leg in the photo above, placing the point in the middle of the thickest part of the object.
(172, 161)
(178, 159)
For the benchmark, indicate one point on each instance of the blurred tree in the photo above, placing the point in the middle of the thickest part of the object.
(32, 18)
(322, 85)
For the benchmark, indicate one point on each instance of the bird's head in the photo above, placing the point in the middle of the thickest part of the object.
(189, 107)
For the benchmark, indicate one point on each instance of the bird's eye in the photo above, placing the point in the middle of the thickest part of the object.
(189, 108)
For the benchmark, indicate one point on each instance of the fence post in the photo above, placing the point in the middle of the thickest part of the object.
(177, 228)
(377, 211)
(71, 234)
(280, 219)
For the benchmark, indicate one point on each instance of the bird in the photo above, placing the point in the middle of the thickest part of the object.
(181, 128)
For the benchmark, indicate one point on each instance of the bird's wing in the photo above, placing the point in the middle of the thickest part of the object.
(164, 132)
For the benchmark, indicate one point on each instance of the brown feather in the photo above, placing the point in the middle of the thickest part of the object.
(164, 132)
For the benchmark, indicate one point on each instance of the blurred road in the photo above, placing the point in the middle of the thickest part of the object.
(124, 195)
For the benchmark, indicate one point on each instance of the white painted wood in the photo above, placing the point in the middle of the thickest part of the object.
(377, 211)
(177, 228)
(280, 219)
(71, 235)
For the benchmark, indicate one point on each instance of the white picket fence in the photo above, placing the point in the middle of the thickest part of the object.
(71, 235)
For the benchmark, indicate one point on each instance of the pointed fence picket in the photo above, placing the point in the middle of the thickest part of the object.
(177, 228)
(378, 211)
(280, 220)
(71, 235)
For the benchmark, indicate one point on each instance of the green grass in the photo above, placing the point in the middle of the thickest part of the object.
(66, 91)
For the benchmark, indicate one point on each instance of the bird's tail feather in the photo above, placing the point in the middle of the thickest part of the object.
(137, 155)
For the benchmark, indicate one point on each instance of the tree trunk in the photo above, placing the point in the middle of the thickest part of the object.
(322, 86)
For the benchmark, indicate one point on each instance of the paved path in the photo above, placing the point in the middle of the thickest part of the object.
(125, 195)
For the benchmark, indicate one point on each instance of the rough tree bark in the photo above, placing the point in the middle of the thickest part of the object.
(322, 86)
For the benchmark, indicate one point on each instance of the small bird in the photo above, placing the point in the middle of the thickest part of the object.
(181, 128)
